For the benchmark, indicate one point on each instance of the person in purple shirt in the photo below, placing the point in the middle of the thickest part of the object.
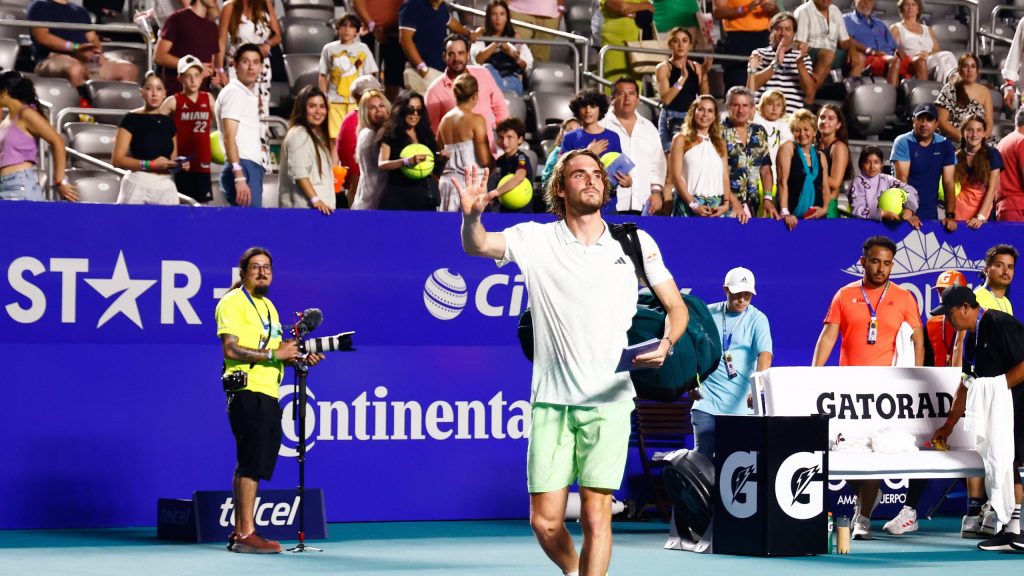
(873, 47)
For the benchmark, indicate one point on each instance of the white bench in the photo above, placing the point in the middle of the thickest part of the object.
(863, 400)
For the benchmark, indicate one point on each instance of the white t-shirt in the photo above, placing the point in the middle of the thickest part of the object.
(342, 64)
(236, 102)
(583, 300)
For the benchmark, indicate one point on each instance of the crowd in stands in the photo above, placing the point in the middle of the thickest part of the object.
(408, 98)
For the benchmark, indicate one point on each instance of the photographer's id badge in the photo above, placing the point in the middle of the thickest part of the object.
(873, 330)
(729, 368)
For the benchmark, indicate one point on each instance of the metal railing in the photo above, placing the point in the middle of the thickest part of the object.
(583, 56)
(999, 10)
(122, 28)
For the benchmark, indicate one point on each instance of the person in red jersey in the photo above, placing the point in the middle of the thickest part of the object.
(192, 110)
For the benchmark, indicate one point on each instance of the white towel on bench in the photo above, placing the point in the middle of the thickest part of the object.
(989, 416)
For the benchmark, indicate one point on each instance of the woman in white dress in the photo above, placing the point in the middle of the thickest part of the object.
(463, 135)
(248, 22)
(919, 52)
(699, 165)
(374, 109)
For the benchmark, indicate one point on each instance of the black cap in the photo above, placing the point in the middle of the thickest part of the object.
(926, 108)
(953, 297)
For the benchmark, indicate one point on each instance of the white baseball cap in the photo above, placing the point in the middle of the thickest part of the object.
(740, 280)
(188, 61)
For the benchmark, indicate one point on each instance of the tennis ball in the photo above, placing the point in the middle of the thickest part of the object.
(421, 170)
(892, 200)
(608, 158)
(517, 197)
(942, 193)
(216, 147)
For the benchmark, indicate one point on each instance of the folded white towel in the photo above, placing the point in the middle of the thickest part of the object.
(893, 441)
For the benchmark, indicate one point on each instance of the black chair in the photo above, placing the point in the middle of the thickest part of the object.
(113, 94)
(549, 110)
(552, 77)
(304, 36)
(302, 70)
(662, 427)
(870, 107)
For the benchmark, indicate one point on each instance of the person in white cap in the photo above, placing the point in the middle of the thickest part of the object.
(192, 111)
(746, 348)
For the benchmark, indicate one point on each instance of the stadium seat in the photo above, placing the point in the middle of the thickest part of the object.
(578, 18)
(288, 4)
(134, 54)
(647, 111)
(952, 35)
(549, 109)
(547, 146)
(96, 140)
(113, 94)
(516, 105)
(320, 13)
(95, 186)
(11, 12)
(304, 36)
(923, 91)
(57, 91)
(1002, 128)
(552, 77)
(8, 53)
(869, 106)
(302, 70)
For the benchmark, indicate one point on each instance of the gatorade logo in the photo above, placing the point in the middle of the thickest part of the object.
(738, 488)
(800, 485)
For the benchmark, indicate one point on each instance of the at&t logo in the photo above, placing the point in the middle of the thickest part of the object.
(446, 294)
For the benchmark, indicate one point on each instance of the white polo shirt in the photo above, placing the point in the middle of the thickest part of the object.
(239, 103)
(644, 149)
(583, 300)
(813, 29)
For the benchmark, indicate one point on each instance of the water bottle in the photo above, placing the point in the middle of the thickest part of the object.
(831, 535)
(843, 535)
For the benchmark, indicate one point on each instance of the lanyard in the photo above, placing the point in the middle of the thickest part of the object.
(977, 329)
(266, 324)
(727, 336)
(873, 324)
(996, 300)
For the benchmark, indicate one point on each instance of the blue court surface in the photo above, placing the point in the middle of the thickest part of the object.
(474, 547)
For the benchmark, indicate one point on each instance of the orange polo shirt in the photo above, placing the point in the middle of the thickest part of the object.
(756, 21)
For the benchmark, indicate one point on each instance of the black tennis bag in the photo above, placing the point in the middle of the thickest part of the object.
(697, 352)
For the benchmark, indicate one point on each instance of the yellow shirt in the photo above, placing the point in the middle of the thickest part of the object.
(988, 301)
(251, 322)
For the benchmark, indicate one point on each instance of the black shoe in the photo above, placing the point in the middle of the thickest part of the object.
(1001, 541)
(1018, 542)
(231, 539)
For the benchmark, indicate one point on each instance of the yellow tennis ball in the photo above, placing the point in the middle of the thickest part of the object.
(421, 170)
(608, 158)
(517, 197)
(892, 200)
(216, 147)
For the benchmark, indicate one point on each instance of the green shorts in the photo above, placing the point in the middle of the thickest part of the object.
(587, 444)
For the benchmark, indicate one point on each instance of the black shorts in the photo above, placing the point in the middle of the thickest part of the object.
(392, 61)
(256, 423)
(195, 185)
(1017, 393)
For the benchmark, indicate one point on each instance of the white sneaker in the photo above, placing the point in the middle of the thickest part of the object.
(970, 527)
(990, 524)
(861, 527)
(905, 521)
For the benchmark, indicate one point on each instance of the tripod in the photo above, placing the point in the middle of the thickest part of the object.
(299, 413)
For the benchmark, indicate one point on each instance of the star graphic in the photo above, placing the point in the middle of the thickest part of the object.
(130, 290)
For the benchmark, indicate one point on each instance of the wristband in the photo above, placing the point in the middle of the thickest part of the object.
(784, 212)
(421, 67)
(769, 198)
(67, 45)
(694, 205)
(236, 167)
(314, 200)
(741, 9)
(751, 71)
(371, 25)
(407, 161)
(561, 8)
(950, 215)
(678, 85)
(982, 216)
(220, 70)
(240, 179)
(270, 355)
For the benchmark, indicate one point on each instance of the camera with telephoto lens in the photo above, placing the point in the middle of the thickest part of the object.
(234, 381)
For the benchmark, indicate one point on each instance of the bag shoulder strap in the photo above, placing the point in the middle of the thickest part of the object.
(626, 234)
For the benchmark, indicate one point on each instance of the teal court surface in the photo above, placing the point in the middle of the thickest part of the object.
(485, 548)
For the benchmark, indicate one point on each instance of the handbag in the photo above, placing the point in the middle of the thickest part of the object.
(708, 28)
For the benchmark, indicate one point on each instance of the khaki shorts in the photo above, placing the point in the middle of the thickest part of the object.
(336, 112)
(587, 444)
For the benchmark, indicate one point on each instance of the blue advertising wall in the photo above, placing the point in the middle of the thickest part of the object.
(112, 363)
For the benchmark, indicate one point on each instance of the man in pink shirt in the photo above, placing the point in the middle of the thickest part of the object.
(1010, 195)
(440, 98)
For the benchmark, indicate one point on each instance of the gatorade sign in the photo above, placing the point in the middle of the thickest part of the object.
(800, 485)
(738, 484)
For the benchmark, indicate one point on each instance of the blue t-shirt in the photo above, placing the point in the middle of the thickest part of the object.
(751, 336)
(579, 139)
(870, 31)
(50, 11)
(430, 27)
(926, 164)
